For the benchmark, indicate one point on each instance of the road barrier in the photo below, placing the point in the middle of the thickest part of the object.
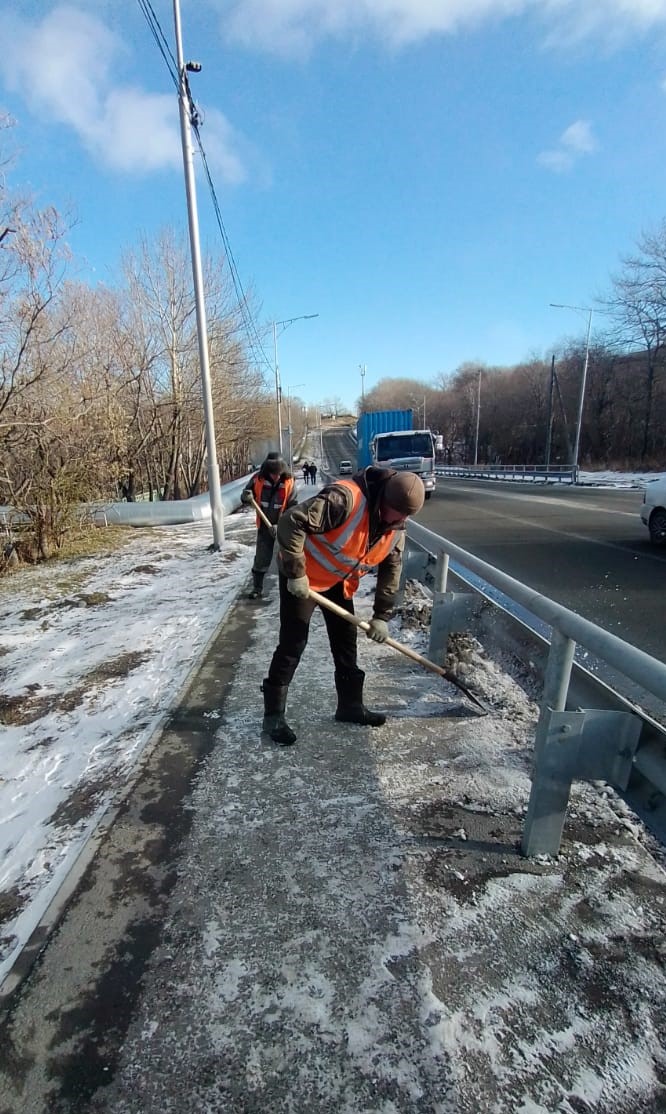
(537, 473)
(586, 730)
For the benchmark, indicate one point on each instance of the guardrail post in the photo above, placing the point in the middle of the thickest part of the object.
(451, 613)
(415, 565)
(549, 796)
(441, 572)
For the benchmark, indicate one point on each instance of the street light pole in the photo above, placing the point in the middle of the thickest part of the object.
(478, 418)
(217, 514)
(291, 388)
(583, 381)
(361, 368)
(278, 387)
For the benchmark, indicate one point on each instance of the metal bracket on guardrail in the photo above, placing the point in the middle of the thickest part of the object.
(417, 564)
(452, 612)
(589, 745)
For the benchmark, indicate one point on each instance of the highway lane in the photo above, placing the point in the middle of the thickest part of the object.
(586, 548)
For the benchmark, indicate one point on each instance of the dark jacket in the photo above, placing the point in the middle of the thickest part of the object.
(329, 509)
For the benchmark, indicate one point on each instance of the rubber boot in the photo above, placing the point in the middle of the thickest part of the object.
(257, 586)
(351, 709)
(274, 723)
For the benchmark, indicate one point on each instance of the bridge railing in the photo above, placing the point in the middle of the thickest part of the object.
(586, 730)
(537, 473)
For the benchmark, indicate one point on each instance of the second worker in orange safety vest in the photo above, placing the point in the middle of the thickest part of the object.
(328, 543)
(273, 489)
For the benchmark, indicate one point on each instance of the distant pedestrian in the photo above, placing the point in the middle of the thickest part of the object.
(327, 543)
(313, 472)
(306, 472)
(273, 488)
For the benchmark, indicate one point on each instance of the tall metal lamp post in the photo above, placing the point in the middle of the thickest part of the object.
(290, 388)
(583, 382)
(217, 513)
(361, 368)
(282, 325)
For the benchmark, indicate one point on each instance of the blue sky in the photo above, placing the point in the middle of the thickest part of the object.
(426, 175)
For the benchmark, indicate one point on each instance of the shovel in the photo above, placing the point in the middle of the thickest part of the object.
(253, 503)
(323, 601)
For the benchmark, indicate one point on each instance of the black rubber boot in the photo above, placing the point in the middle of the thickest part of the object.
(351, 709)
(257, 586)
(274, 724)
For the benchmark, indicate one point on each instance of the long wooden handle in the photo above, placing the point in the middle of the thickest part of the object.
(261, 514)
(323, 601)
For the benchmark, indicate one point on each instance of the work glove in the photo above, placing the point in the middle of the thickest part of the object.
(377, 630)
(246, 498)
(299, 586)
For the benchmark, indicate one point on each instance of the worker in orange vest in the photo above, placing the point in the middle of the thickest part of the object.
(273, 489)
(327, 543)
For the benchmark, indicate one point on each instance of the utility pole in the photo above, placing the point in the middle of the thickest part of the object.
(278, 388)
(361, 368)
(549, 429)
(583, 381)
(581, 397)
(217, 514)
(478, 416)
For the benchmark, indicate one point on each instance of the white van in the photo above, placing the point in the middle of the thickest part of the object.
(653, 510)
(345, 468)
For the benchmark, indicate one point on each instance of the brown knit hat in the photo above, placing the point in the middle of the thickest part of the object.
(404, 492)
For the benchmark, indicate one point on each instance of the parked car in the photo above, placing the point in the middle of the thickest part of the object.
(345, 468)
(653, 510)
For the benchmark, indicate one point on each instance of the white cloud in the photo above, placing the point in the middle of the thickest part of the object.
(293, 26)
(64, 68)
(576, 140)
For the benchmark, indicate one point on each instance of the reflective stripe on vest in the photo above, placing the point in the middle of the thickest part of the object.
(342, 553)
(259, 485)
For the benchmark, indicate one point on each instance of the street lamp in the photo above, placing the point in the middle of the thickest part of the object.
(361, 368)
(583, 382)
(278, 389)
(290, 388)
(186, 121)
(478, 419)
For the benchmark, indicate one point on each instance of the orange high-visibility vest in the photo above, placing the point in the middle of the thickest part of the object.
(282, 494)
(344, 553)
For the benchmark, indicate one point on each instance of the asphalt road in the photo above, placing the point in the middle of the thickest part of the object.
(584, 547)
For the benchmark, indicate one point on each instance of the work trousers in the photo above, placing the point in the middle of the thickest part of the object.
(264, 552)
(295, 616)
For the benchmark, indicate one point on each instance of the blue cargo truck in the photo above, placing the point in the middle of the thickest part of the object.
(387, 438)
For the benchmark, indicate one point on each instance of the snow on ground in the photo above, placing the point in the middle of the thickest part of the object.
(94, 653)
(585, 479)
(619, 479)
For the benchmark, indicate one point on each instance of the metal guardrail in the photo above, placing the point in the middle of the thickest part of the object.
(586, 730)
(536, 472)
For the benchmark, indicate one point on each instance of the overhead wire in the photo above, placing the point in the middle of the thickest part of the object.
(195, 119)
(161, 40)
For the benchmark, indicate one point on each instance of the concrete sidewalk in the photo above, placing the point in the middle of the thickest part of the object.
(346, 925)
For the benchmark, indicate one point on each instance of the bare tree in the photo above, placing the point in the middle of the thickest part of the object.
(638, 304)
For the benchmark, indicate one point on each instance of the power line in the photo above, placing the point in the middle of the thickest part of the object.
(250, 325)
(253, 336)
(161, 39)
